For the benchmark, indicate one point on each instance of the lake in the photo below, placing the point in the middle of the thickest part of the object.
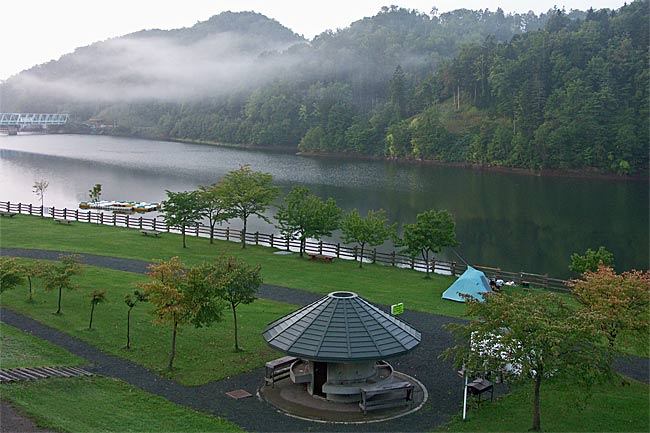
(513, 221)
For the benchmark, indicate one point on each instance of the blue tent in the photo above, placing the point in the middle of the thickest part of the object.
(473, 282)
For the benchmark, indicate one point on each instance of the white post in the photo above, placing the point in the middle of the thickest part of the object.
(465, 398)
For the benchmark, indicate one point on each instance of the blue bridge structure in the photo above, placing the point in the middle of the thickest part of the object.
(11, 123)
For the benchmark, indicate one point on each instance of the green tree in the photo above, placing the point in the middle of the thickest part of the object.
(374, 229)
(11, 273)
(432, 231)
(237, 284)
(131, 301)
(96, 297)
(32, 270)
(246, 192)
(591, 260)
(214, 206)
(304, 215)
(620, 302)
(182, 296)
(528, 337)
(183, 209)
(95, 192)
(59, 276)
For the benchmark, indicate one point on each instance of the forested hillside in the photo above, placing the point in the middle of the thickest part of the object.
(556, 91)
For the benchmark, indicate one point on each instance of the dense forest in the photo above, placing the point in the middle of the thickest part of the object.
(565, 91)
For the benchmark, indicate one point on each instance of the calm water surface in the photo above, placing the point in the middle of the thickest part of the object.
(516, 222)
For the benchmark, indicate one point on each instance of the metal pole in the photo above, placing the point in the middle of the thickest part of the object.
(465, 398)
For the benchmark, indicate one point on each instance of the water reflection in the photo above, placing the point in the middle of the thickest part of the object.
(513, 221)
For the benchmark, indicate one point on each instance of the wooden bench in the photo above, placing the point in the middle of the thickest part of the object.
(62, 221)
(384, 396)
(321, 258)
(278, 369)
(154, 233)
(8, 214)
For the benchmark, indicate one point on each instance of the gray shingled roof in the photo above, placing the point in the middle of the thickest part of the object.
(341, 327)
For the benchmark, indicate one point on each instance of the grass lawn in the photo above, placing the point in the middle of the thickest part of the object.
(621, 405)
(95, 404)
(203, 355)
(18, 349)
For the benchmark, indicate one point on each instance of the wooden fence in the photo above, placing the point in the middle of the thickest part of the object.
(275, 241)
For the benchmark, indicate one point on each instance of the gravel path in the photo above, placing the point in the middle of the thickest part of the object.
(444, 387)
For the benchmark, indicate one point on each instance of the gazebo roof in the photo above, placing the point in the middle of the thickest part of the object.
(341, 327)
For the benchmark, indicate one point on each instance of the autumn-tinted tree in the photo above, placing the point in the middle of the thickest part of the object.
(529, 337)
(182, 296)
(304, 215)
(432, 231)
(620, 302)
(96, 297)
(591, 260)
(247, 192)
(214, 206)
(59, 276)
(237, 284)
(11, 273)
(131, 301)
(32, 270)
(182, 209)
(374, 229)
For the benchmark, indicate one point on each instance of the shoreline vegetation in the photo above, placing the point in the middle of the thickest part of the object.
(585, 173)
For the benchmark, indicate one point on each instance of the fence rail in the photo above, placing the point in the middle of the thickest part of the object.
(275, 241)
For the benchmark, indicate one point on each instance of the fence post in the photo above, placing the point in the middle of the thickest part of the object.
(101, 218)
(413, 263)
(8, 206)
(271, 240)
(19, 207)
(140, 223)
(197, 230)
(338, 250)
(287, 240)
(433, 265)
(65, 213)
(355, 253)
(374, 255)
(53, 210)
(114, 219)
(128, 218)
(89, 216)
(453, 268)
(30, 208)
(257, 238)
(227, 233)
(42, 211)
(320, 247)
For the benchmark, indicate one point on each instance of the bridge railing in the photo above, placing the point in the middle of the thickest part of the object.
(26, 119)
(279, 242)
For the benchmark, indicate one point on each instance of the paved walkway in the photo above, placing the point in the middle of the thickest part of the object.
(444, 387)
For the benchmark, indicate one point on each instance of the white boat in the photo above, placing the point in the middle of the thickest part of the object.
(120, 206)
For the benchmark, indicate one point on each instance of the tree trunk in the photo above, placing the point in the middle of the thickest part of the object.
(92, 311)
(183, 231)
(303, 246)
(243, 235)
(173, 354)
(425, 256)
(234, 314)
(361, 259)
(212, 232)
(536, 416)
(128, 328)
(31, 292)
(58, 310)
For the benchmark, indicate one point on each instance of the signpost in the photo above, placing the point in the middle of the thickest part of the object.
(397, 309)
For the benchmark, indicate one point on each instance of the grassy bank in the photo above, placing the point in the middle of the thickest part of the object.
(203, 355)
(619, 405)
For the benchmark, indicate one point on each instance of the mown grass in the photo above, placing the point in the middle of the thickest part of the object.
(18, 349)
(620, 405)
(95, 404)
(203, 355)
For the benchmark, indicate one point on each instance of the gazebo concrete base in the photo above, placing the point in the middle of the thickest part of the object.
(294, 400)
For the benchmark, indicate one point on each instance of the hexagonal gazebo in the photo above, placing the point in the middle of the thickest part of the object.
(341, 342)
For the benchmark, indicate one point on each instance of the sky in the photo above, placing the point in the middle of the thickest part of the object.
(37, 31)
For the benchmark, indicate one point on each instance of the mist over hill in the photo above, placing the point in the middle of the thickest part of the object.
(465, 86)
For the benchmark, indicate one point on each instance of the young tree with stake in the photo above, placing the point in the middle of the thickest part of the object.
(131, 302)
(39, 189)
(59, 276)
(97, 296)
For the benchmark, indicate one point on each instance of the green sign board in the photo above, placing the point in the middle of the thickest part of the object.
(397, 309)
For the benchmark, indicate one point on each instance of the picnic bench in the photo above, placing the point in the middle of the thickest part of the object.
(154, 233)
(479, 386)
(384, 396)
(62, 221)
(8, 214)
(321, 258)
(278, 369)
